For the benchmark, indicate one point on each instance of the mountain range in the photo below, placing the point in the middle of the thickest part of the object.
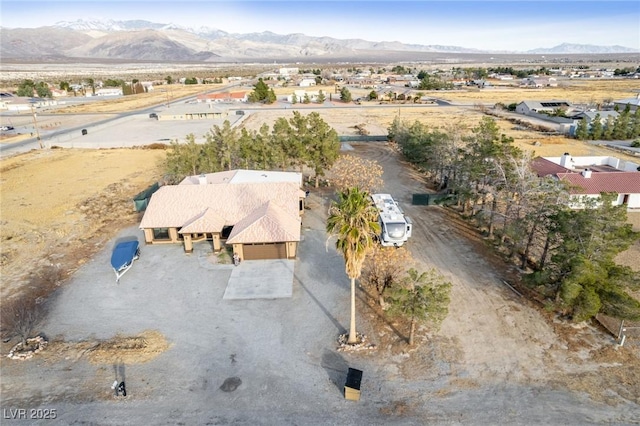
(142, 40)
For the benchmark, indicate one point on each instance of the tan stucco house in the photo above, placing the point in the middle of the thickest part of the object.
(255, 212)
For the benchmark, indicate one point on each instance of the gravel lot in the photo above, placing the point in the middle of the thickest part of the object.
(496, 360)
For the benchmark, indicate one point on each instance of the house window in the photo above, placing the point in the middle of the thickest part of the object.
(625, 199)
(161, 234)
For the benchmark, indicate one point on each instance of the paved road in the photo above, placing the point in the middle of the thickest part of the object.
(134, 128)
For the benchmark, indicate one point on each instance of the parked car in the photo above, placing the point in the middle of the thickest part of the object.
(5, 128)
(153, 115)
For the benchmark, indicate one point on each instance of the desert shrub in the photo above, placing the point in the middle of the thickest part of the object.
(156, 145)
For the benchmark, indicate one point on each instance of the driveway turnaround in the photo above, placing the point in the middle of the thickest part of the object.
(261, 279)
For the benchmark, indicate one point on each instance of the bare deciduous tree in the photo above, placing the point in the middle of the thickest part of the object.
(21, 316)
(384, 267)
(350, 171)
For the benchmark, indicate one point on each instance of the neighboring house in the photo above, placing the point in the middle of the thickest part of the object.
(307, 82)
(58, 93)
(192, 112)
(255, 212)
(632, 102)
(19, 103)
(224, 97)
(528, 107)
(589, 116)
(590, 176)
(538, 82)
(300, 94)
(109, 91)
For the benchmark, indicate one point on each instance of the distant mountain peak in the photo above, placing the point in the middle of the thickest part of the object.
(145, 40)
(575, 48)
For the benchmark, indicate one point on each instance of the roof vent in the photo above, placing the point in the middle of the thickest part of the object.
(586, 173)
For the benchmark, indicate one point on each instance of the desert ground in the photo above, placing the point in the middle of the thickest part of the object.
(497, 359)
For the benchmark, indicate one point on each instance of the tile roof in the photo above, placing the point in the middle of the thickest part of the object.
(203, 222)
(544, 167)
(620, 182)
(268, 223)
(193, 206)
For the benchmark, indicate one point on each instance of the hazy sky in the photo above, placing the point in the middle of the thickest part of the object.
(488, 25)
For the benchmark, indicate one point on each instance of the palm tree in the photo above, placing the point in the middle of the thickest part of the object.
(354, 220)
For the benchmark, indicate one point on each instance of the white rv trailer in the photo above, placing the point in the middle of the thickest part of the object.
(395, 226)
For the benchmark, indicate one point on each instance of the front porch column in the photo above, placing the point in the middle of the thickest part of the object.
(216, 242)
(237, 249)
(173, 235)
(148, 235)
(188, 244)
(291, 249)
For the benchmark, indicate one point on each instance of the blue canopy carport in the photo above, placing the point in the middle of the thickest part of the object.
(122, 257)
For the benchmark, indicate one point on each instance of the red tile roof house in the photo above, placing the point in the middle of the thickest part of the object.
(223, 97)
(590, 176)
(255, 212)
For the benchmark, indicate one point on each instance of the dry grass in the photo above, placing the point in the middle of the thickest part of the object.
(120, 349)
(576, 91)
(59, 204)
(160, 95)
(129, 349)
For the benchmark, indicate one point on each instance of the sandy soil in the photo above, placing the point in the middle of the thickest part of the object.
(59, 206)
(377, 120)
(497, 358)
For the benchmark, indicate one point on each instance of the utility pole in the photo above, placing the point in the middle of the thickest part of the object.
(35, 126)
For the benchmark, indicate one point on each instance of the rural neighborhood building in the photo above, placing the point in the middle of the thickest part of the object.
(107, 91)
(192, 112)
(255, 212)
(538, 82)
(590, 176)
(224, 97)
(633, 103)
(307, 82)
(529, 107)
(300, 95)
(589, 117)
(19, 103)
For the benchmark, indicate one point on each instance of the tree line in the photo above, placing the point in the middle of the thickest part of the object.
(567, 254)
(625, 126)
(295, 143)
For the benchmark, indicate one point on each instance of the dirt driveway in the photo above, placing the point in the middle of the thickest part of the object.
(496, 360)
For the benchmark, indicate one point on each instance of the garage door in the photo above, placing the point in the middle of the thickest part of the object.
(264, 251)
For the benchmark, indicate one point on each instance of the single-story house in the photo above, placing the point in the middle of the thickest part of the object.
(528, 107)
(224, 97)
(538, 82)
(300, 95)
(590, 176)
(20, 103)
(255, 212)
(192, 112)
(108, 91)
(589, 116)
(633, 103)
(307, 82)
